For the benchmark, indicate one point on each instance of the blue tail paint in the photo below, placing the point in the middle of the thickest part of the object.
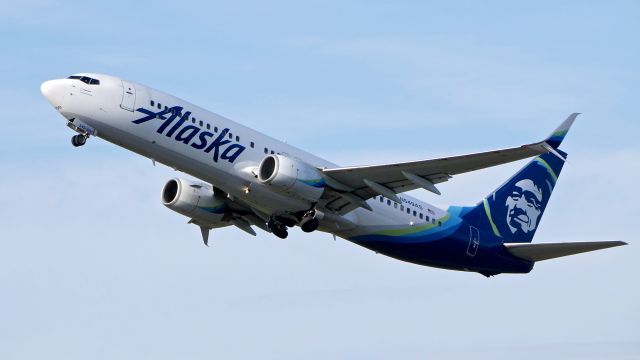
(472, 238)
(513, 212)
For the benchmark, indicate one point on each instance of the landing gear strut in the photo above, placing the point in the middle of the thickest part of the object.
(79, 140)
(278, 229)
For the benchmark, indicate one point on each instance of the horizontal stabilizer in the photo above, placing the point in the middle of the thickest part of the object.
(538, 252)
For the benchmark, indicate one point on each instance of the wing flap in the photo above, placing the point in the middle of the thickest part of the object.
(545, 251)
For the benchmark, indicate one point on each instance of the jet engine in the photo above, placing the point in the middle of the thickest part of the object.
(194, 199)
(292, 177)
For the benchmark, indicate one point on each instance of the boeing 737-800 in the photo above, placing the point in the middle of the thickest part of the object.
(249, 180)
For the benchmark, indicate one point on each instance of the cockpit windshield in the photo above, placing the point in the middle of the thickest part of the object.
(85, 79)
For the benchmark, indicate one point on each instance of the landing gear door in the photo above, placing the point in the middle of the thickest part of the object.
(474, 241)
(128, 96)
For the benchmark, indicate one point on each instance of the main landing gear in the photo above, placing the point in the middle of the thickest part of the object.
(311, 220)
(79, 140)
(309, 224)
(278, 229)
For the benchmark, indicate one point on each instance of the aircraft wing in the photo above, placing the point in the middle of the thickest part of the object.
(352, 185)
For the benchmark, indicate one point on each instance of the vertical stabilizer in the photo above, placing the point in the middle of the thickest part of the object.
(513, 211)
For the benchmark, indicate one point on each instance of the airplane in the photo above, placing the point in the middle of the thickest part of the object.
(250, 180)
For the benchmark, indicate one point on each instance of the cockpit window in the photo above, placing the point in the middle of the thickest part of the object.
(85, 79)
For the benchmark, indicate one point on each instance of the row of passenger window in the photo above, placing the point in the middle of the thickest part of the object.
(408, 210)
(208, 126)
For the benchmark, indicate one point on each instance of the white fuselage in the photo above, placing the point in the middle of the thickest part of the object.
(109, 110)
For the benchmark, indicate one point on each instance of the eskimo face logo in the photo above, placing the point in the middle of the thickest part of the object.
(524, 206)
(197, 138)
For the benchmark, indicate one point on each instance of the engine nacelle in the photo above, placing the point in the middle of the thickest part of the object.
(292, 177)
(193, 199)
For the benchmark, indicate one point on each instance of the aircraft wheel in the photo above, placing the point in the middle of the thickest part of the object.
(278, 229)
(309, 225)
(280, 232)
(78, 140)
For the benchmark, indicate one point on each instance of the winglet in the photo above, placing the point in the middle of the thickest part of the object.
(555, 139)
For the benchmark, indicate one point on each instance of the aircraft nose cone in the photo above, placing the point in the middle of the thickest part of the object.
(53, 91)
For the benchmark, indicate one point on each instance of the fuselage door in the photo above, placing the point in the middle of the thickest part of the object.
(128, 96)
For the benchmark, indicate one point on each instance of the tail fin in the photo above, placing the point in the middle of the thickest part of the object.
(513, 211)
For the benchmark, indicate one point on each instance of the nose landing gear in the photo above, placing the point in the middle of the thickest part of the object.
(79, 140)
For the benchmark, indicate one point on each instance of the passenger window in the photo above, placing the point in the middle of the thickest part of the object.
(414, 213)
(426, 217)
(237, 138)
(152, 104)
(389, 202)
(230, 136)
(401, 207)
(193, 120)
(201, 123)
(421, 216)
(215, 129)
(408, 211)
(272, 152)
(395, 205)
(381, 199)
(266, 151)
(252, 144)
(208, 127)
(159, 106)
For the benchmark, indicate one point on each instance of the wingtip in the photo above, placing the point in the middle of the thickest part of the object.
(567, 123)
(558, 135)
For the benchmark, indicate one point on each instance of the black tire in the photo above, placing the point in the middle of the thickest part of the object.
(280, 232)
(78, 140)
(310, 225)
(81, 140)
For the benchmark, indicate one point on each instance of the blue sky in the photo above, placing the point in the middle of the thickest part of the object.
(93, 266)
